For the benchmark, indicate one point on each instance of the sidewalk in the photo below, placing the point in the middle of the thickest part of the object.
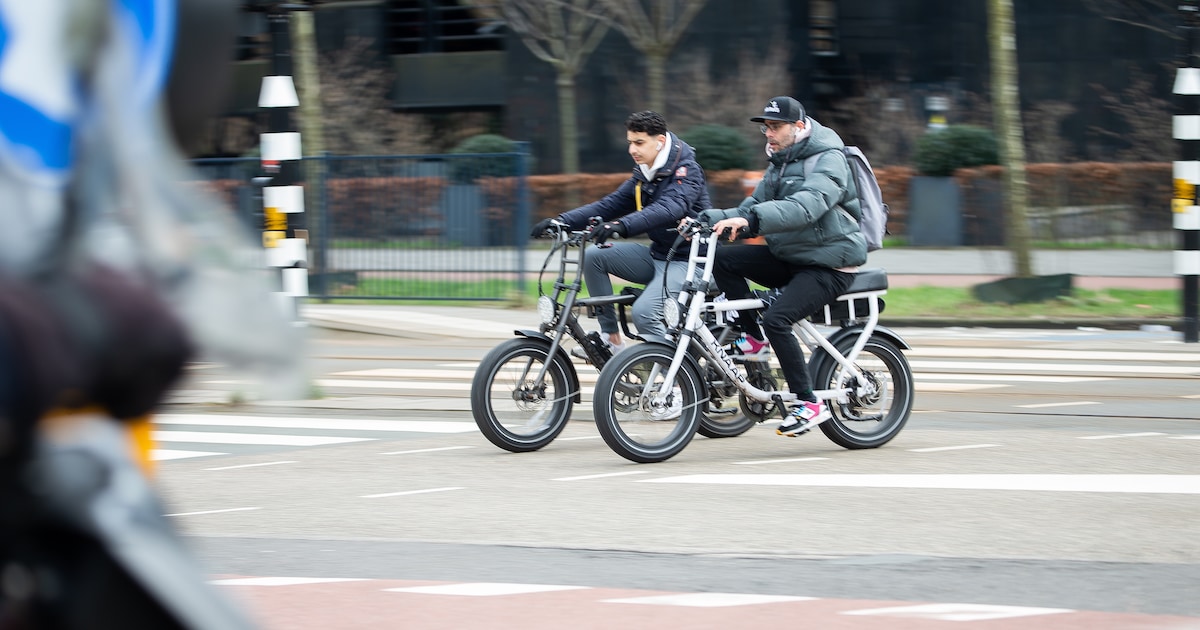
(907, 267)
(1093, 269)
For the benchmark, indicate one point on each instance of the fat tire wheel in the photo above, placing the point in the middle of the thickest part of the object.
(872, 421)
(753, 409)
(507, 410)
(627, 422)
(716, 426)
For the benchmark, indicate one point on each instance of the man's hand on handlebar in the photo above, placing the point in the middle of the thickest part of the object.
(603, 232)
(735, 226)
(540, 228)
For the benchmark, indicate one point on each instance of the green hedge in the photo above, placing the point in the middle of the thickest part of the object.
(940, 153)
(718, 148)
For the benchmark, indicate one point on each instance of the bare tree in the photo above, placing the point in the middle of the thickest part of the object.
(1043, 131)
(308, 83)
(701, 97)
(1147, 136)
(1148, 118)
(1006, 102)
(563, 34)
(653, 27)
(358, 113)
(881, 120)
(1160, 16)
(232, 135)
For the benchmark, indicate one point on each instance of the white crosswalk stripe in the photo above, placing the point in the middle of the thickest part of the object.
(341, 424)
(937, 369)
(995, 375)
(241, 431)
(446, 386)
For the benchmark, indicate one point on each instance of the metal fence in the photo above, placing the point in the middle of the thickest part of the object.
(455, 226)
(402, 227)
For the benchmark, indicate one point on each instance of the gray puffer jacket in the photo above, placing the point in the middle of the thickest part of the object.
(806, 218)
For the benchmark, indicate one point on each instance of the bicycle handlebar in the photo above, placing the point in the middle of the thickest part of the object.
(689, 227)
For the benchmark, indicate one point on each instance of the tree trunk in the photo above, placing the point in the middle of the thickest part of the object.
(308, 82)
(567, 123)
(656, 73)
(1007, 107)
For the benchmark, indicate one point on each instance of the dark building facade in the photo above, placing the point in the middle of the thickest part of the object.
(456, 56)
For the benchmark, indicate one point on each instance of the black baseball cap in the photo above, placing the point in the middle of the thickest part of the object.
(784, 108)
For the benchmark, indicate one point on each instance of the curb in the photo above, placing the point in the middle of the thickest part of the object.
(504, 331)
(1048, 323)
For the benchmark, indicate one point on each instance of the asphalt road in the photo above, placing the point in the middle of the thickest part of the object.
(1049, 477)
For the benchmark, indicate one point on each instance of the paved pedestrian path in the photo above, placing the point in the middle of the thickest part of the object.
(907, 267)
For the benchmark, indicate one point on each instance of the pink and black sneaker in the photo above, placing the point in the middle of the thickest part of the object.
(752, 349)
(804, 416)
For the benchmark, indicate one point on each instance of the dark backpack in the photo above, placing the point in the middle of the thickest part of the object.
(870, 199)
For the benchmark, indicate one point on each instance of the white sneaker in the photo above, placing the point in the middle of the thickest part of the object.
(803, 417)
(578, 351)
(672, 411)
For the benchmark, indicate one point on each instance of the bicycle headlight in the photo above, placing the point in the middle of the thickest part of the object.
(546, 309)
(671, 313)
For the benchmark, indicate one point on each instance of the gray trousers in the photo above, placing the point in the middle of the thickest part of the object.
(632, 262)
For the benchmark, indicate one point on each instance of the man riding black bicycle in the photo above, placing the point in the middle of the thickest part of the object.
(667, 185)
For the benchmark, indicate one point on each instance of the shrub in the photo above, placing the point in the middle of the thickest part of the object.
(467, 170)
(718, 148)
(940, 153)
(384, 207)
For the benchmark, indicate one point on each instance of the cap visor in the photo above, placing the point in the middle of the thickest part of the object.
(759, 119)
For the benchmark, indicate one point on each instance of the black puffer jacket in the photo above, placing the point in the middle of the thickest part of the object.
(676, 191)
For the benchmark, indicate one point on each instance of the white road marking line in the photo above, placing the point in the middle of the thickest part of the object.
(708, 600)
(954, 387)
(408, 373)
(1144, 484)
(618, 474)
(584, 375)
(164, 454)
(1033, 353)
(958, 612)
(247, 509)
(419, 385)
(1185, 437)
(1013, 378)
(334, 424)
(484, 589)
(1078, 403)
(1192, 396)
(780, 461)
(426, 450)
(1118, 435)
(1055, 367)
(280, 581)
(204, 437)
(400, 494)
(579, 437)
(950, 448)
(252, 465)
(463, 386)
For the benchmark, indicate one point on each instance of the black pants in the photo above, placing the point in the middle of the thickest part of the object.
(805, 290)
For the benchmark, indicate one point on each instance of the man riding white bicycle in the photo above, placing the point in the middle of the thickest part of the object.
(667, 185)
(813, 244)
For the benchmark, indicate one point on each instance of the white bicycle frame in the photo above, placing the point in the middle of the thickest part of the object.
(697, 304)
